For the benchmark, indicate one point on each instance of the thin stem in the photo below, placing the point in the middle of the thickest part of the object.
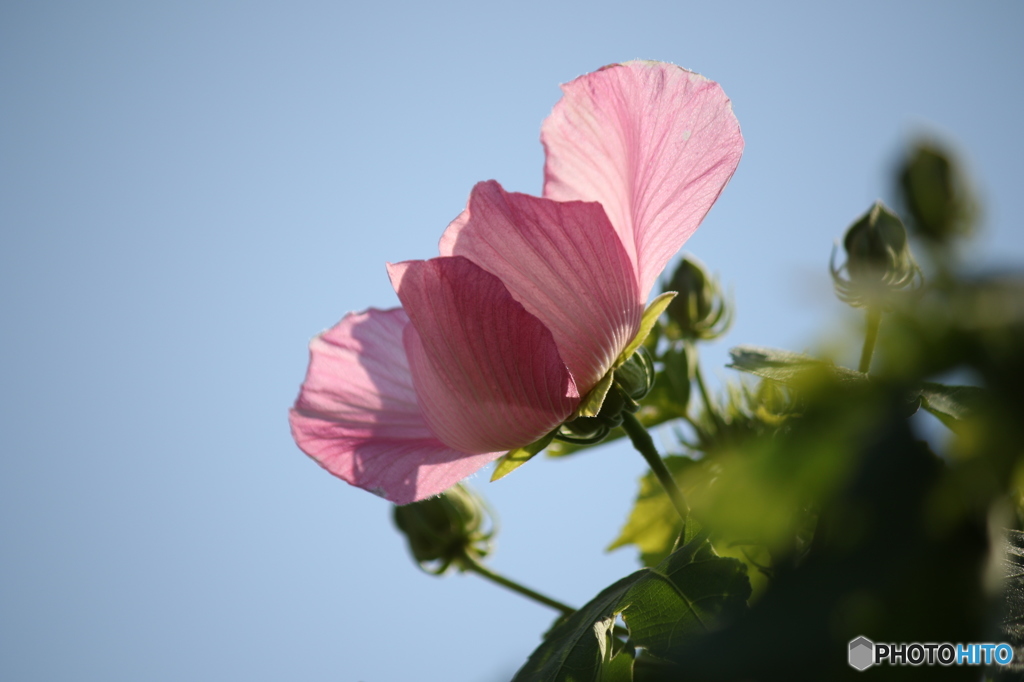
(874, 319)
(645, 446)
(472, 564)
(699, 376)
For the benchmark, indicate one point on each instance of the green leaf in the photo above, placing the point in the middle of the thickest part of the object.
(951, 404)
(647, 322)
(591, 404)
(783, 365)
(619, 669)
(654, 524)
(577, 650)
(513, 459)
(692, 592)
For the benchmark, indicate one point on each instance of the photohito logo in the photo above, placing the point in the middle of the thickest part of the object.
(864, 653)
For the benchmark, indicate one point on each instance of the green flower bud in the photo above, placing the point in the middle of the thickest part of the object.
(935, 194)
(699, 311)
(443, 530)
(635, 376)
(878, 259)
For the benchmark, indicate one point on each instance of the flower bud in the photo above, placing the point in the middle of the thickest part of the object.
(699, 311)
(635, 376)
(878, 258)
(935, 194)
(443, 530)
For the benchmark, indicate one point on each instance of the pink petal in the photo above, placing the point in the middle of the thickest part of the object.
(654, 143)
(487, 372)
(357, 413)
(564, 263)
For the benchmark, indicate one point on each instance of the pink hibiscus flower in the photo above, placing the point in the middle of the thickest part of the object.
(532, 299)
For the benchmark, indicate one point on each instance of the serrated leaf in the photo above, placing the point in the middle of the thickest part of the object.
(654, 524)
(591, 404)
(576, 650)
(647, 322)
(783, 365)
(692, 592)
(513, 459)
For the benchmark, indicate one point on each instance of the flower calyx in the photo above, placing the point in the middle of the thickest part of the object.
(447, 530)
(878, 259)
(624, 386)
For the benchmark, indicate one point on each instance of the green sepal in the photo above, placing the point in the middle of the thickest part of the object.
(647, 322)
(592, 404)
(513, 459)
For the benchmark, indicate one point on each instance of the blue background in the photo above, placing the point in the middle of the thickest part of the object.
(189, 191)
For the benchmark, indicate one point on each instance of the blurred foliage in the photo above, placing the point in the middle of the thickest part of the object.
(818, 480)
(1012, 629)
(935, 193)
(654, 525)
(816, 509)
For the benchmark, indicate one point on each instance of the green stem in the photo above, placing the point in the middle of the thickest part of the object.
(874, 319)
(645, 446)
(472, 564)
(691, 351)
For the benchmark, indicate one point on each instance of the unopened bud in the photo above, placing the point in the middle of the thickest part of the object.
(444, 530)
(699, 311)
(935, 194)
(878, 258)
(635, 376)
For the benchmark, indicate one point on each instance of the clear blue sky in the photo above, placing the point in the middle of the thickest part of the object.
(189, 191)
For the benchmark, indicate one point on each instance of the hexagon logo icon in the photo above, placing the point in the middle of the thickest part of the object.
(862, 653)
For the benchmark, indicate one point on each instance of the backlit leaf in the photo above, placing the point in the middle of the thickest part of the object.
(783, 365)
(654, 524)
